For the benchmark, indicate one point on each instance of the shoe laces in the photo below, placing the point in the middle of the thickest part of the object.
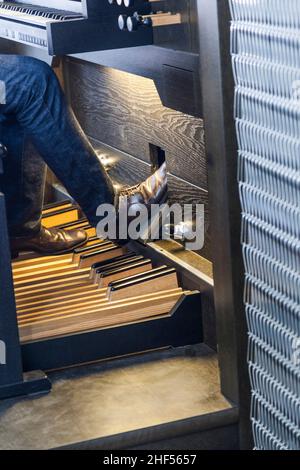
(129, 191)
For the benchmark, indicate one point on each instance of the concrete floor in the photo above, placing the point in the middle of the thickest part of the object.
(121, 403)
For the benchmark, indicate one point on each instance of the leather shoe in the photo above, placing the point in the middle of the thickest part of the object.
(151, 191)
(49, 241)
(140, 197)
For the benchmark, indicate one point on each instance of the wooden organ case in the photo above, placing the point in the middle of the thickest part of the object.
(103, 300)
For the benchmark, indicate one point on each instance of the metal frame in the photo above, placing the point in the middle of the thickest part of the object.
(221, 148)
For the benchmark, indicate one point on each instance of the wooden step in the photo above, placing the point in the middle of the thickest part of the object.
(49, 326)
(159, 279)
(55, 218)
(53, 207)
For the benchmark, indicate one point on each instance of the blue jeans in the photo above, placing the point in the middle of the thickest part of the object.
(37, 127)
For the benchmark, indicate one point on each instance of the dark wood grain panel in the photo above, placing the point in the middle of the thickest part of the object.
(125, 111)
(127, 170)
(148, 62)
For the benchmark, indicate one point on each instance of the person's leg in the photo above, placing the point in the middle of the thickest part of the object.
(35, 99)
(22, 182)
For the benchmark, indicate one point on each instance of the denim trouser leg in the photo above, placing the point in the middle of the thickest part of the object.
(23, 181)
(36, 108)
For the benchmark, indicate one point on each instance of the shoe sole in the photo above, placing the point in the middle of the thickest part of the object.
(15, 253)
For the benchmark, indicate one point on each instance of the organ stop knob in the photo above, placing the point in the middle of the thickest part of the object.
(122, 22)
(132, 23)
(130, 3)
(136, 20)
(3, 151)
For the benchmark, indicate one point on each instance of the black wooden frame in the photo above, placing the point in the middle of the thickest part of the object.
(221, 147)
(12, 380)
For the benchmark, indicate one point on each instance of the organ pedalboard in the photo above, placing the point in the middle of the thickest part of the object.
(100, 301)
(76, 26)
